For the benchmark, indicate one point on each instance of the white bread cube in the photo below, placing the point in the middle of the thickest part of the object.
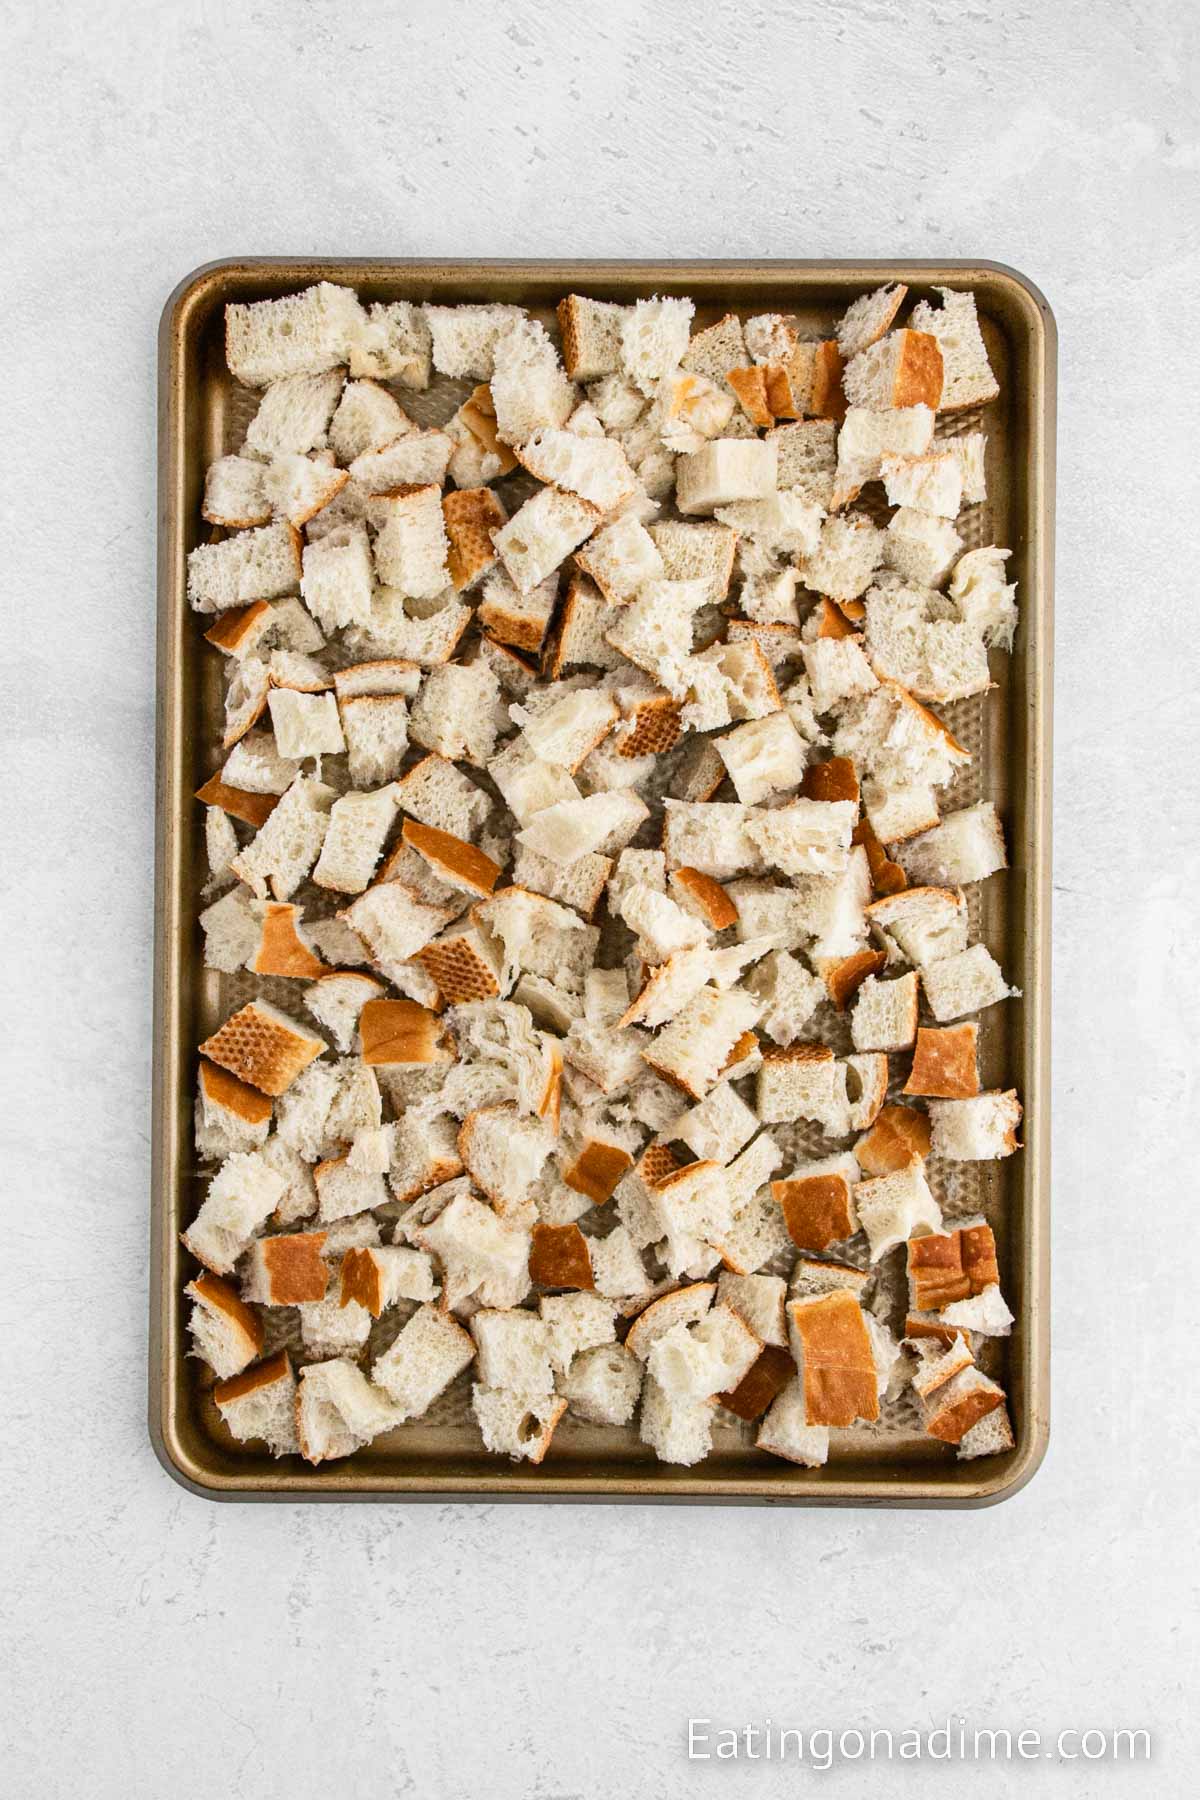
(394, 925)
(358, 825)
(654, 339)
(256, 765)
(620, 557)
(513, 1351)
(836, 907)
(920, 546)
(481, 1253)
(983, 598)
(932, 483)
(770, 598)
(375, 727)
(527, 785)
(654, 631)
(617, 1265)
(696, 550)
(235, 493)
(529, 390)
(299, 487)
(520, 1426)
(541, 533)
(788, 993)
(677, 1427)
(411, 546)
(226, 1333)
(503, 1151)
(967, 378)
(240, 1198)
(805, 837)
(693, 1049)
(763, 756)
(724, 471)
(517, 618)
(967, 846)
(343, 1191)
(964, 983)
(986, 1312)
(456, 713)
(885, 1014)
(595, 468)
(393, 343)
(464, 337)
(396, 632)
(785, 1431)
(850, 551)
(293, 415)
(662, 927)
(566, 729)
(438, 794)
(711, 837)
(893, 1208)
(591, 336)
(922, 924)
(718, 1127)
(867, 437)
(575, 1323)
(866, 320)
(338, 578)
(890, 735)
(245, 698)
(701, 1360)
(900, 370)
(367, 418)
(418, 458)
(980, 1129)
(898, 812)
(717, 349)
(570, 829)
(252, 565)
(806, 1081)
(261, 1404)
(759, 1301)
(784, 524)
(807, 458)
(284, 850)
(338, 1411)
(837, 670)
(992, 1435)
(305, 724)
(298, 334)
(422, 1361)
(603, 1384)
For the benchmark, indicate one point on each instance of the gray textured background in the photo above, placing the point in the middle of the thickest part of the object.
(165, 1646)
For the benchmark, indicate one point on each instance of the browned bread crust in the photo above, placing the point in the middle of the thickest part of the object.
(558, 1257)
(256, 1047)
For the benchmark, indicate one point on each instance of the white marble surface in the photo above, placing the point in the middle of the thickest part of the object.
(161, 1645)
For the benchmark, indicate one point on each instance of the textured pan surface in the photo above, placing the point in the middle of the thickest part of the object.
(202, 413)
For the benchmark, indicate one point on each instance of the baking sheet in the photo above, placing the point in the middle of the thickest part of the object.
(203, 414)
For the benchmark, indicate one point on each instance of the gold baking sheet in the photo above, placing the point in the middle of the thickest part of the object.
(201, 414)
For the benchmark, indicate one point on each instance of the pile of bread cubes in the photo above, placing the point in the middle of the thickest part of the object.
(578, 806)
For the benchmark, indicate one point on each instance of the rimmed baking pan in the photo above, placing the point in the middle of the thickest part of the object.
(201, 414)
